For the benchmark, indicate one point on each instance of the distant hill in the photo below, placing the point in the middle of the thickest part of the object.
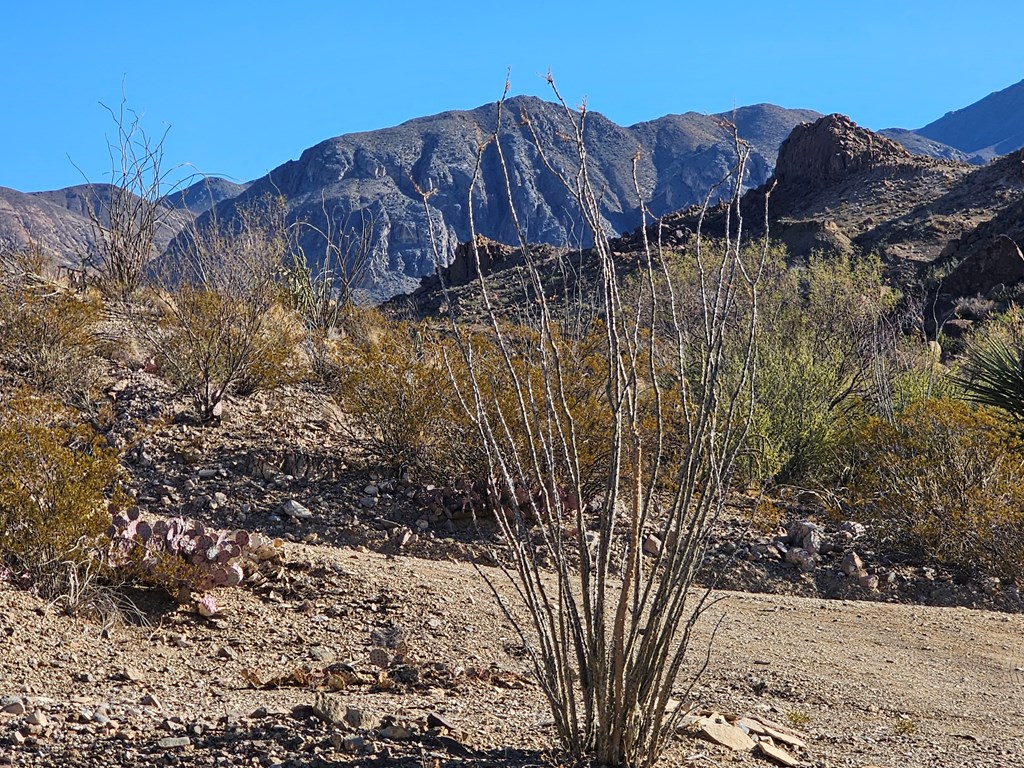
(373, 177)
(837, 188)
(922, 145)
(204, 194)
(886, 196)
(988, 128)
(58, 231)
(59, 220)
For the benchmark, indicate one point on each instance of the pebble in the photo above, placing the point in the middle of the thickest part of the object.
(12, 705)
(173, 742)
(38, 717)
(652, 546)
(292, 508)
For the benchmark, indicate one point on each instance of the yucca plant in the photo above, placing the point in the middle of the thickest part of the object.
(993, 374)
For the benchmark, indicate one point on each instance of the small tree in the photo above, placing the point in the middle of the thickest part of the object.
(609, 631)
(128, 213)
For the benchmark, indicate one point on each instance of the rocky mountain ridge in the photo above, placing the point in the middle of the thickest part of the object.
(839, 188)
(374, 179)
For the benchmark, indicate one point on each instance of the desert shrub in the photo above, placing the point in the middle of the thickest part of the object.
(394, 386)
(942, 482)
(992, 369)
(609, 632)
(218, 326)
(818, 345)
(55, 478)
(47, 332)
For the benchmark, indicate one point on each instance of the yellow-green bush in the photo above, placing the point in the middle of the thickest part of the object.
(48, 340)
(943, 482)
(393, 384)
(211, 344)
(816, 356)
(55, 478)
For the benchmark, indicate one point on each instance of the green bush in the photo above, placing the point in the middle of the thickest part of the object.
(942, 482)
(56, 477)
(818, 348)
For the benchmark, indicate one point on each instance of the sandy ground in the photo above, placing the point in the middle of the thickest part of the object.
(870, 683)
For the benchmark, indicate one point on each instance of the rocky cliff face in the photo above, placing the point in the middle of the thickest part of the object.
(831, 150)
(374, 178)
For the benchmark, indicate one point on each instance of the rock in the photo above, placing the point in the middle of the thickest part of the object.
(798, 531)
(131, 675)
(38, 717)
(853, 528)
(652, 546)
(173, 742)
(293, 509)
(716, 729)
(403, 537)
(368, 502)
(777, 754)
(435, 721)
(397, 732)
(353, 743)
(851, 564)
(329, 709)
(371, 490)
(12, 705)
(868, 582)
(814, 542)
(353, 717)
(801, 558)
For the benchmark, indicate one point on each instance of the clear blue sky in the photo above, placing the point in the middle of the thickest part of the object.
(247, 86)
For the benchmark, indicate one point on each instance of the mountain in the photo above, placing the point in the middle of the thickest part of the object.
(28, 218)
(922, 145)
(373, 178)
(836, 188)
(59, 220)
(204, 194)
(988, 128)
(977, 133)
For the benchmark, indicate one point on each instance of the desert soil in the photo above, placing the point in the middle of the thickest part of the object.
(870, 683)
(360, 650)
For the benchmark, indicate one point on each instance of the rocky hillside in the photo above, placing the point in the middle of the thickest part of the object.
(28, 218)
(59, 220)
(840, 188)
(372, 178)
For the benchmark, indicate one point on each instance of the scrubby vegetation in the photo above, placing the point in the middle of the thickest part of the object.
(942, 482)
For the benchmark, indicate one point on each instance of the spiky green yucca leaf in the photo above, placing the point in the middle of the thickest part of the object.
(993, 374)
